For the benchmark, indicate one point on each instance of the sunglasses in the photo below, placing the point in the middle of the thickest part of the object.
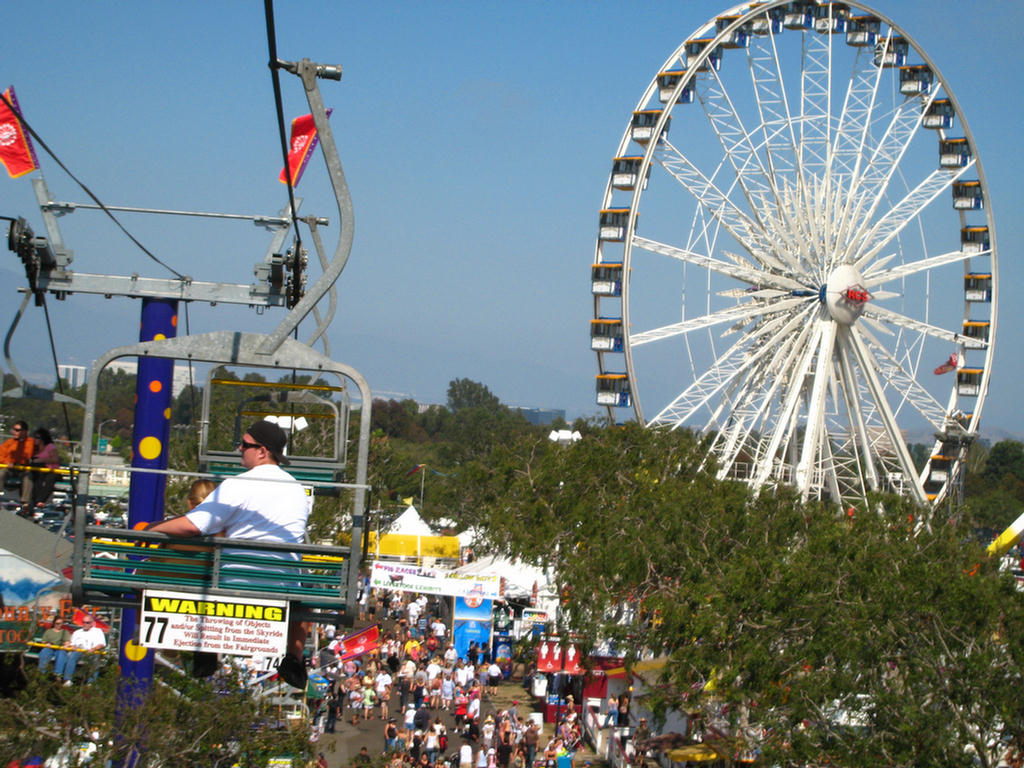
(244, 444)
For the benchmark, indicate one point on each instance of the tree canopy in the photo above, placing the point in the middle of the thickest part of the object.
(801, 632)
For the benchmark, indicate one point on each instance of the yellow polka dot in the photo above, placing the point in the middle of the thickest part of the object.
(167, 413)
(159, 337)
(134, 652)
(150, 447)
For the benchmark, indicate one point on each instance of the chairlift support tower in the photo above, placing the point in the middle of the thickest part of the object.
(116, 579)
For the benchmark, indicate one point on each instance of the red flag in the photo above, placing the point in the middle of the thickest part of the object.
(300, 148)
(16, 152)
(363, 641)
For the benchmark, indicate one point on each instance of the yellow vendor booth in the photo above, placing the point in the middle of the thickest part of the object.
(409, 536)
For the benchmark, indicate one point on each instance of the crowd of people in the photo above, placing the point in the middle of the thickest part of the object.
(429, 700)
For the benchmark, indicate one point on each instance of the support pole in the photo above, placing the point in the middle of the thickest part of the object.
(146, 492)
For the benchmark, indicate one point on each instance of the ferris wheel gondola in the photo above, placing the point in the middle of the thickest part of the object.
(796, 231)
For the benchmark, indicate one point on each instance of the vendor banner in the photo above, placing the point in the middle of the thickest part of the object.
(551, 657)
(413, 578)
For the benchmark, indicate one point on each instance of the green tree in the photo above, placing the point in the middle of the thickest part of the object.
(465, 393)
(1005, 459)
(815, 637)
(180, 722)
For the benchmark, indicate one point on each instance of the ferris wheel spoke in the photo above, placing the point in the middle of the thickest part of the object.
(815, 103)
(718, 206)
(902, 381)
(901, 214)
(851, 143)
(751, 174)
(751, 406)
(848, 145)
(736, 361)
(904, 123)
(736, 270)
(829, 466)
(813, 431)
(773, 107)
(747, 311)
(860, 442)
(796, 369)
(866, 363)
(910, 324)
(880, 277)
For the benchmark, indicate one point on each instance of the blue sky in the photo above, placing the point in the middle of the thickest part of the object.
(476, 138)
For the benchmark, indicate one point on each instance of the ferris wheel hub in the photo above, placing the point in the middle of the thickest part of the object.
(845, 295)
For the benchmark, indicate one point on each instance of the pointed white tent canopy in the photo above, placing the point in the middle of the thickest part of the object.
(409, 523)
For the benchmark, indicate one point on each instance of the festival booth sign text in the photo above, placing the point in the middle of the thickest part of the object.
(412, 578)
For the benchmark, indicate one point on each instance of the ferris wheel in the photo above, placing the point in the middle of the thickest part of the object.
(796, 256)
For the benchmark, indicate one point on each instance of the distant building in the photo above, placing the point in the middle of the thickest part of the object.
(74, 375)
(540, 416)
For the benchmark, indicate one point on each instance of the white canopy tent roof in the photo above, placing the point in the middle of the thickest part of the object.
(409, 523)
(519, 576)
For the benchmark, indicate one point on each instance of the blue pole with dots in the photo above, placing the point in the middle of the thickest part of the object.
(146, 492)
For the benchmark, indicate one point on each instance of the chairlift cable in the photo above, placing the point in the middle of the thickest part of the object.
(60, 388)
(85, 189)
(268, 7)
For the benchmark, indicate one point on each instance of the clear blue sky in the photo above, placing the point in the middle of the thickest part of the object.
(476, 138)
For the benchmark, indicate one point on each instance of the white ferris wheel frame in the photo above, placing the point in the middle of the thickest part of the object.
(858, 358)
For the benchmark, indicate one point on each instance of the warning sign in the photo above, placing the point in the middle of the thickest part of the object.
(239, 626)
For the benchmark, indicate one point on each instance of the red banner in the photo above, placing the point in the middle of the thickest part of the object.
(552, 658)
(300, 148)
(363, 641)
(572, 661)
(16, 152)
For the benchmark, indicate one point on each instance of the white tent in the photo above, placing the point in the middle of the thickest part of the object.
(409, 523)
(519, 576)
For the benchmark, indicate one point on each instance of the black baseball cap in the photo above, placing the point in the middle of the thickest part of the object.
(271, 437)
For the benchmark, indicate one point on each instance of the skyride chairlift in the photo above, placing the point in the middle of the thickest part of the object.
(112, 567)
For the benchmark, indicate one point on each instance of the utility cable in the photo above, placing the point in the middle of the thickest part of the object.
(85, 189)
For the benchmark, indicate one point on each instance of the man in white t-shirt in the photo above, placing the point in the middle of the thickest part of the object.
(265, 503)
(438, 628)
(433, 669)
(413, 612)
(463, 674)
(466, 755)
